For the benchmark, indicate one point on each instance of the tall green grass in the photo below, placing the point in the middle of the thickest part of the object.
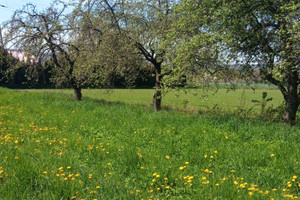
(53, 147)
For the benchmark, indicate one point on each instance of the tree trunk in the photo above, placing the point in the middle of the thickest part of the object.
(290, 94)
(291, 103)
(157, 95)
(157, 100)
(77, 93)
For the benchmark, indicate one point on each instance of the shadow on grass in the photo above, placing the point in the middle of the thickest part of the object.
(215, 111)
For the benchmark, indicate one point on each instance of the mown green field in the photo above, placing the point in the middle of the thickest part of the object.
(221, 100)
(53, 147)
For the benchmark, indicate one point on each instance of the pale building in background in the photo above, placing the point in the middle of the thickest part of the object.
(23, 56)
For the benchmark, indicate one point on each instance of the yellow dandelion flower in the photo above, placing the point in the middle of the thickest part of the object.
(266, 192)
(167, 157)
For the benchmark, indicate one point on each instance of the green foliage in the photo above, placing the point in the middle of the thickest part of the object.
(13, 71)
(238, 36)
(197, 53)
(7, 63)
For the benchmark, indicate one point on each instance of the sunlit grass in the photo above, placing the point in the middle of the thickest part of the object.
(53, 147)
(195, 100)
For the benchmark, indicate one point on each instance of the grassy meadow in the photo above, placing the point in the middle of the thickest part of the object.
(112, 145)
(220, 101)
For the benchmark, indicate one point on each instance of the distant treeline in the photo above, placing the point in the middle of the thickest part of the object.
(17, 74)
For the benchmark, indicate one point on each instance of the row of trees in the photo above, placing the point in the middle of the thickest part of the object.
(181, 42)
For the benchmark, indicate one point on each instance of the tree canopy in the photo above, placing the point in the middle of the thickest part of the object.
(245, 34)
(187, 42)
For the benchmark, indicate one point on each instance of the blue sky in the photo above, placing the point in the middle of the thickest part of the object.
(12, 5)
